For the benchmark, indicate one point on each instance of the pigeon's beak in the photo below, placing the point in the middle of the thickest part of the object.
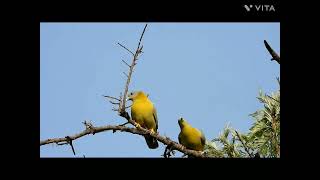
(180, 120)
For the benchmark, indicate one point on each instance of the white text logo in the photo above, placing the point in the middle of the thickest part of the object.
(260, 8)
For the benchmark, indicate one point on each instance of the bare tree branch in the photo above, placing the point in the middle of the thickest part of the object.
(274, 55)
(125, 74)
(115, 103)
(125, 63)
(69, 141)
(112, 98)
(135, 58)
(90, 129)
(126, 49)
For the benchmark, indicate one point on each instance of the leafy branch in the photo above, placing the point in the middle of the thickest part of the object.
(263, 138)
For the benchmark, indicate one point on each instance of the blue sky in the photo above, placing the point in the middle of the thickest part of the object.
(208, 73)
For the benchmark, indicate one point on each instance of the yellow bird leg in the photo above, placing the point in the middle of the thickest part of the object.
(137, 125)
(152, 131)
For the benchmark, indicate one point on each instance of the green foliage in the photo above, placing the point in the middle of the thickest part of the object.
(226, 145)
(263, 137)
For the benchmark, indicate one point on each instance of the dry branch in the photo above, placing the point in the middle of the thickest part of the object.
(112, 98)
(90, 129)
(126, 49)
(122, 106)
(274, 55)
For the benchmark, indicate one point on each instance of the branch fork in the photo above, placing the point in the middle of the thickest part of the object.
(121, 109)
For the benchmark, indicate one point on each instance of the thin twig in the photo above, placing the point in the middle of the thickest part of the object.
(70, 142)
(121, 125)
(115, 103)
(128, 106)
(124, 124)
(112, 98)
(125, 63)
(125, 74)
(126, 49)
(244, 145)
(135, 58)
(144, 29)
(274, 55)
